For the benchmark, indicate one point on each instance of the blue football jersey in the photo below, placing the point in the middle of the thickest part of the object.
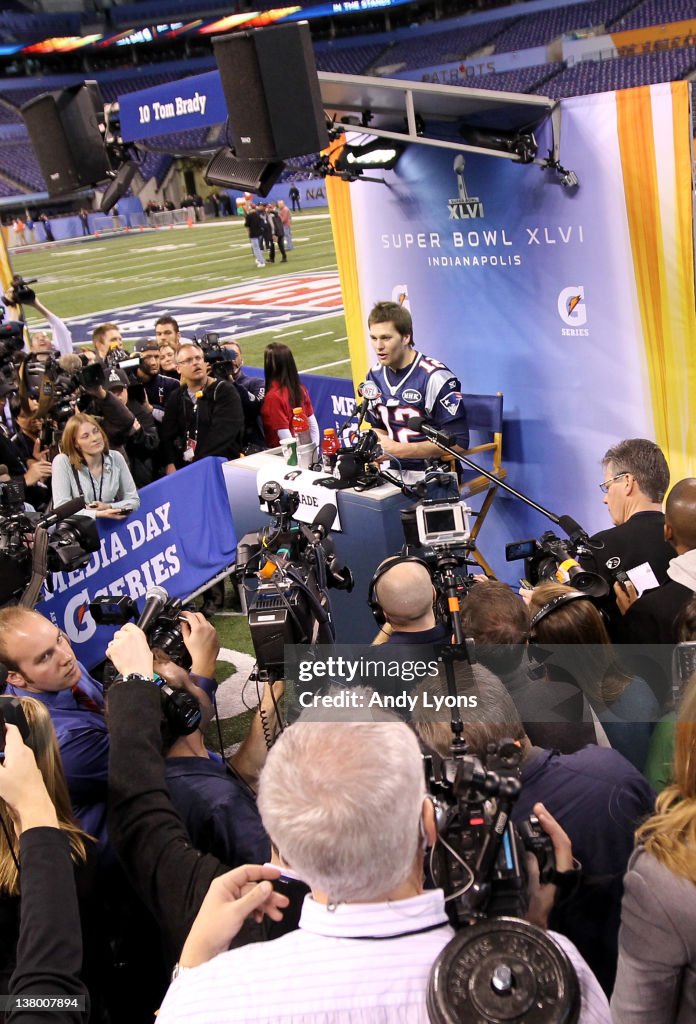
(427, 388)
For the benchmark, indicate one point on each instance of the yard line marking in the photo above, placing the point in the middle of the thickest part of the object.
(324, 366)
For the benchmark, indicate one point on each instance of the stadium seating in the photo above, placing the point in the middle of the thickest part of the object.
(540, 28)
(621, 73)
(352, 60)
(528, 80)
(451, 44)
(655, 12)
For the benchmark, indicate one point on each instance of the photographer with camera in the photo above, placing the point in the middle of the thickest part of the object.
(141, 443)
(594, 794)
(108, 344)
(368, 933)
(251, 391)
(47, 849)
(402, 599)
(202, 417)
(152, 843)
(40, 344)
(157, 388)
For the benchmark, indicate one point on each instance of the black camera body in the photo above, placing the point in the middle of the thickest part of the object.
(289, 568)
(479, 858)
(553, 559)
(180, 709)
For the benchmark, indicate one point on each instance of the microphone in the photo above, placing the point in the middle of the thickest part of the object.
(155, 600)
(68, 508)
(573, 529)
(420, 424)
(323, 521)
(368, 391)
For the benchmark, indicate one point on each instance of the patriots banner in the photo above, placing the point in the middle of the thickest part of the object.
(576, 303)
(181, 536)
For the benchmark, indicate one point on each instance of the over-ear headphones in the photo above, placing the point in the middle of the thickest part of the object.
(386, 565)
(552, 605)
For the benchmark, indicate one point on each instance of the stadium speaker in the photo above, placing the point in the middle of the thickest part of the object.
(257, 176)
(64, 131)
(271, 89)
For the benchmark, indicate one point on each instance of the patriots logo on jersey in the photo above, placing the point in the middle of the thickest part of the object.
(450, 403)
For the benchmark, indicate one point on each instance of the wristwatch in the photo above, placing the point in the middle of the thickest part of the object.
(134, 675)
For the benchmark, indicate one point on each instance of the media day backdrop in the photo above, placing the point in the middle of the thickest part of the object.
(181, 536)
(578, 304)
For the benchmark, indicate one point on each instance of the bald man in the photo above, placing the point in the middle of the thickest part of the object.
(406, 595)
(651, 619)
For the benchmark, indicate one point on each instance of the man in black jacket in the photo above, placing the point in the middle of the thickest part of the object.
(202, 417)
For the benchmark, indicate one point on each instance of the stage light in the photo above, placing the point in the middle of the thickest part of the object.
(378, 154)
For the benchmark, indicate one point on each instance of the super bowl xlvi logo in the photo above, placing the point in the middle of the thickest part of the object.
(411, 396)
(572, 311)
(465, 207)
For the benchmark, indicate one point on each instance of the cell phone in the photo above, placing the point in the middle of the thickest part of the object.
(525, 584)
(621, 577)
(11, 711)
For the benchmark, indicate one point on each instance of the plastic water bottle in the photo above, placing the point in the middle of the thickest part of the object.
(330, 446)
(300, 426)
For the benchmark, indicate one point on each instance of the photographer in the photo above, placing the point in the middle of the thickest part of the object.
(147, 832)
(87, 467)
(142, 441)
(402, 598)
(368, 923)
(202, 417)
(156, 386)
(595, 795)
(49, 945)
(20, 294)
(251, 392)
(108, 344)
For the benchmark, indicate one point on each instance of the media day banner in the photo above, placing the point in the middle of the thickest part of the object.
(577, 304)
(181, 536)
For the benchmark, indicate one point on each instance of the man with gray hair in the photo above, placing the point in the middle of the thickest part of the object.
(345, 805)
(636, 478)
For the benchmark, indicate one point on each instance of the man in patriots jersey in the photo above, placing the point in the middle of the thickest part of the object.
(410, 383)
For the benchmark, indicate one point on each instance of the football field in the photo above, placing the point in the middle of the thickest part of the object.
(206, 277)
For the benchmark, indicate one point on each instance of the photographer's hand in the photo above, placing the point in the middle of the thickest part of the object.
(202, 643)
(22, 786)
(626, 595)
(542, 897)
(230, 899)
(129, 651)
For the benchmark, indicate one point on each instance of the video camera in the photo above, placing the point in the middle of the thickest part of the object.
(292, 567)
(220, 362)
(498, 966)
(19, 291)
(552, 558)
(11, 342)
(160, 621)
(72, 540)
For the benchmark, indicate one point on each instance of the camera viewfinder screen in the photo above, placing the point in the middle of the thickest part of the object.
(440, 520)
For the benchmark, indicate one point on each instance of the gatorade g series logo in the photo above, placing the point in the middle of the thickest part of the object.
(572, 311)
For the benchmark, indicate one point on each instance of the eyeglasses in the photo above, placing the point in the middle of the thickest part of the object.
(193, 359)
(604, 487)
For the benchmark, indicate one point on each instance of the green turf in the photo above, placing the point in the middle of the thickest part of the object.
(110, 272)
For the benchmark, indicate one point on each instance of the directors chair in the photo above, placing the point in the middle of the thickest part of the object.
(484, 415)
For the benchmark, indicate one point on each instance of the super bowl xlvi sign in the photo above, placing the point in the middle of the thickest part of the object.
(181, 536)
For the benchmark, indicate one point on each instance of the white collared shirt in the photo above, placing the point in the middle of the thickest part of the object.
(362, 963)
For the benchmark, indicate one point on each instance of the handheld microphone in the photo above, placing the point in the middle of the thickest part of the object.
(368, 392)
(420, 424)
(323, 521)
(68, 508)
(155, 600)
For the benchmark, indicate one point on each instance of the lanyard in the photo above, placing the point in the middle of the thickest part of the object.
(101, 483)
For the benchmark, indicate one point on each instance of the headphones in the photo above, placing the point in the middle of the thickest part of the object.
(384, 568)
(552, 605)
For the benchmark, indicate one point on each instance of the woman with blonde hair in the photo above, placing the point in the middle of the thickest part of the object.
(86, 467)
(656, 978)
